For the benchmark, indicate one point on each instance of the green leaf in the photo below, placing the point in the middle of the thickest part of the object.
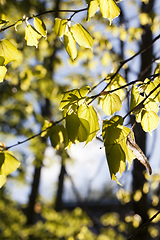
(116, 83)
(2, 180)
(8, 51)
(60, 26)
(58, 136)
(32, 36)
(8, 164)
(117, 152)
(40, 26)
(44, 127)
(150, 86)
(90, 115)
(3, 71)
(73, 97)
(150, 121)
(84, 128)
(82, 36)
(92, 8)
(136, 98)
(70, 45)
(109, 9)
(72, 126)
(111, 104)
(150, 104)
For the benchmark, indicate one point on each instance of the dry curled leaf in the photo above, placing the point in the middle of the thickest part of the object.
(138, 152)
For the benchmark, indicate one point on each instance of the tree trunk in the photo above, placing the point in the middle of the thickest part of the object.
(141, 207)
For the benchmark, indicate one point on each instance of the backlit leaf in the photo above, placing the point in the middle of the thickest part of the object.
(40, 26)
(72, 126)
(109, 9)
(73, 97)
(111, 104)
(8, 51)
(32, 36)
(2, 180)
(44, 127)
(3, 71)
(58, 136)
(92, 8)
(150, 121)
(8, 163)
(70, 45)
(60, 26)
(82, 36)
(117, 152)
(91, 116)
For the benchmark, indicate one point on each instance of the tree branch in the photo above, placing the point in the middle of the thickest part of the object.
(143, 226)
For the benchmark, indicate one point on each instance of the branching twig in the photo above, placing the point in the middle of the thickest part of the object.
(47, 12)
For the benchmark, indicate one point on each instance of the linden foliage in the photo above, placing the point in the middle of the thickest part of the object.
(81, 122)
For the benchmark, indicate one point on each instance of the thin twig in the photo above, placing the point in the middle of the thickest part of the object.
(50, 11)
(143, 226)
(36, 135)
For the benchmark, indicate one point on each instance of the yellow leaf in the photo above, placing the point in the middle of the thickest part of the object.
(111, 104)
(60, 26)
(32, 36)
(3, 71)
(70, 45)
(150, 121)
(40, 26)
(8, 51)
(2, 180)
(8, 163)
(82, 36)
(109, 9)
(92, 8)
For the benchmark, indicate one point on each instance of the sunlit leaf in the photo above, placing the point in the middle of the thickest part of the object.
(151, 86)
(73, 97)
(84, 128)
(2, 180)
(60, 26)
(117, 152)
(32, 36)
(136, 98)
(72, 126)
(116, 83)
(92, 8)
(8, 51)
(40, 26)
(70, 45)
(91, 116)
(58, 135)
(8, 163)
(111, 104)
(150, 104)
(46, 125)
(3, 71)
(109, 9)
(150, 121)
(82, 36)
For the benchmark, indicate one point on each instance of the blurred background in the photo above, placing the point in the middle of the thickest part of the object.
(61, 194)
